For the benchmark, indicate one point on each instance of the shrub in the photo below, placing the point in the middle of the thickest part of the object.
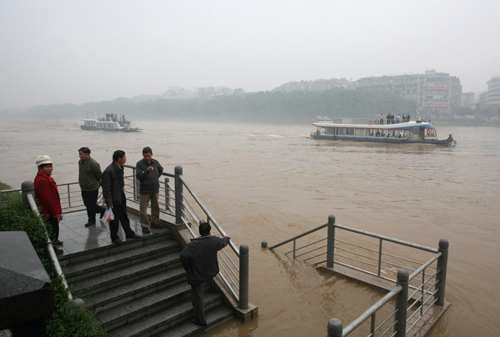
(66, 320)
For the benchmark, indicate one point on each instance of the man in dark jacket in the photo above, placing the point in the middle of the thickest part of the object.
(113, 190)
(148, 171)
(88, 178)
(199, 259)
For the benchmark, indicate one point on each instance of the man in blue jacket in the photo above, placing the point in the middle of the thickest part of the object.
(199, 259)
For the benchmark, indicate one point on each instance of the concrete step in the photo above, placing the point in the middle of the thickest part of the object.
(113, 249)
(215, 316)
(109, 298)
(169, 317)
(143, 306)
(103, 264)
(114, 278)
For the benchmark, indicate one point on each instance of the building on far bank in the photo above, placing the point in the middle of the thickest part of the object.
(434, 92)
(492, 97)
(431, 91)
(468, 100)
(316, 85)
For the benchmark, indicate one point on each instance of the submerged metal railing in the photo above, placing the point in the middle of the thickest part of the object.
(426, 283)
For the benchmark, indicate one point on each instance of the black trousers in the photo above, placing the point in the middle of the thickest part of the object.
(198, 304)
(54, 222)
(121, 216)
(90, 202)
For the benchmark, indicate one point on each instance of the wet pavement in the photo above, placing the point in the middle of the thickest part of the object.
(78, 238)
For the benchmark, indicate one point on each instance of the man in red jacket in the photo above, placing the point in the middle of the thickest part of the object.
(47, 196)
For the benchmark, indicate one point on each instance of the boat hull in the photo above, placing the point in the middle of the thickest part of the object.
(90, 128)
(448, 141)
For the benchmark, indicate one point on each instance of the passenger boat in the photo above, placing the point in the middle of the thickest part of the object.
(368, 130)
(112, 122)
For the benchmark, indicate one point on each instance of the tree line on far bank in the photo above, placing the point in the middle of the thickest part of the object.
(282, 107)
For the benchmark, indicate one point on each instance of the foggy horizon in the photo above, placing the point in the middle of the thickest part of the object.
(67, 52)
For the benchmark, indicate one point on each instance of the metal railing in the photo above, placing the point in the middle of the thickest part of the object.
(10, 195)
(181, 202)
(28, 190)
(427, 281)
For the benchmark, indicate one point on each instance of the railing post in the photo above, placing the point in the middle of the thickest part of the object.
(442, 266)
(334, 328)
(244, 272)
(28, 187)
(167, 195)
(179, 208)
(330, 242)
(401, 304)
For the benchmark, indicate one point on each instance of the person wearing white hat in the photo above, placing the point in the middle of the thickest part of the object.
(47, 196)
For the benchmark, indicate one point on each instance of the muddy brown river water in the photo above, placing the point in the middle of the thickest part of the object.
(270, 182)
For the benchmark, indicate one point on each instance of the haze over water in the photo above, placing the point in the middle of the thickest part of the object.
(271, 182)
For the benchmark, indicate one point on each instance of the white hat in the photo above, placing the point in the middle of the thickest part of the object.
(40, 160)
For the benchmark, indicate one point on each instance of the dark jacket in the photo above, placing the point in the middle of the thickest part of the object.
(47, 195)
(112, 184)
(89, 174)
(149, 183)
(199, 258)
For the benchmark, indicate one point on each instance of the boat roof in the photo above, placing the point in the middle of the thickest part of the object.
(405, 125)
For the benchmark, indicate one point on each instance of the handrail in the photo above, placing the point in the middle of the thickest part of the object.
(209, 215)
(299, 236)
(373, 309)
(386, 238)
(50, 248)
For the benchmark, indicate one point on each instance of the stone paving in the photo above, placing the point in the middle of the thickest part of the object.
(77, 237)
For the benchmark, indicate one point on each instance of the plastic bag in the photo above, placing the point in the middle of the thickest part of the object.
(109, 215)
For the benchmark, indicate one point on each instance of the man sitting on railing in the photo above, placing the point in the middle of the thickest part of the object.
(199, 259)
(114, 194)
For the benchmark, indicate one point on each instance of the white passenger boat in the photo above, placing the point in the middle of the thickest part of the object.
(112, 122)
(366, 130)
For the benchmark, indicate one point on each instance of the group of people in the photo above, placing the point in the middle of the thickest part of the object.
(391, 119)
(199, 258)
(90, 178)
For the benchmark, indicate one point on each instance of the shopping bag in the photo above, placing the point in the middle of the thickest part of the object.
(109, 215)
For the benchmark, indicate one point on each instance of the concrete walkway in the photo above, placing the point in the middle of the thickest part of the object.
(78, 238)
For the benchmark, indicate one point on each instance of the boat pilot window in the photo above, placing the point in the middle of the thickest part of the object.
(349, 132)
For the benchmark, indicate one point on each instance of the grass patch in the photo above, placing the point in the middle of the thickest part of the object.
(66, 320)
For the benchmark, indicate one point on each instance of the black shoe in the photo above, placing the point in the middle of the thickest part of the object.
(88, 224)
(118, 242)
(102, 212)
(198, 323)
(134, 236)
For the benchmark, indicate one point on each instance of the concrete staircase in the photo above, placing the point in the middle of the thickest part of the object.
(139, 288)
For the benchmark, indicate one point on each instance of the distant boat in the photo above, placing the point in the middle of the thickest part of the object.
(368, 130)
(112, 122)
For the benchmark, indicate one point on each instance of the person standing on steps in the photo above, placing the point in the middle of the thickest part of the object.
(199, 259)
(47, 196)
(113, 187)
(88, 178)
(148, 171)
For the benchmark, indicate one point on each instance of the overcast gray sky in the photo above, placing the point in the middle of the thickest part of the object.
(80, 51)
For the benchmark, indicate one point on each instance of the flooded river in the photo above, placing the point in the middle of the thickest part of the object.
(270, 182)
